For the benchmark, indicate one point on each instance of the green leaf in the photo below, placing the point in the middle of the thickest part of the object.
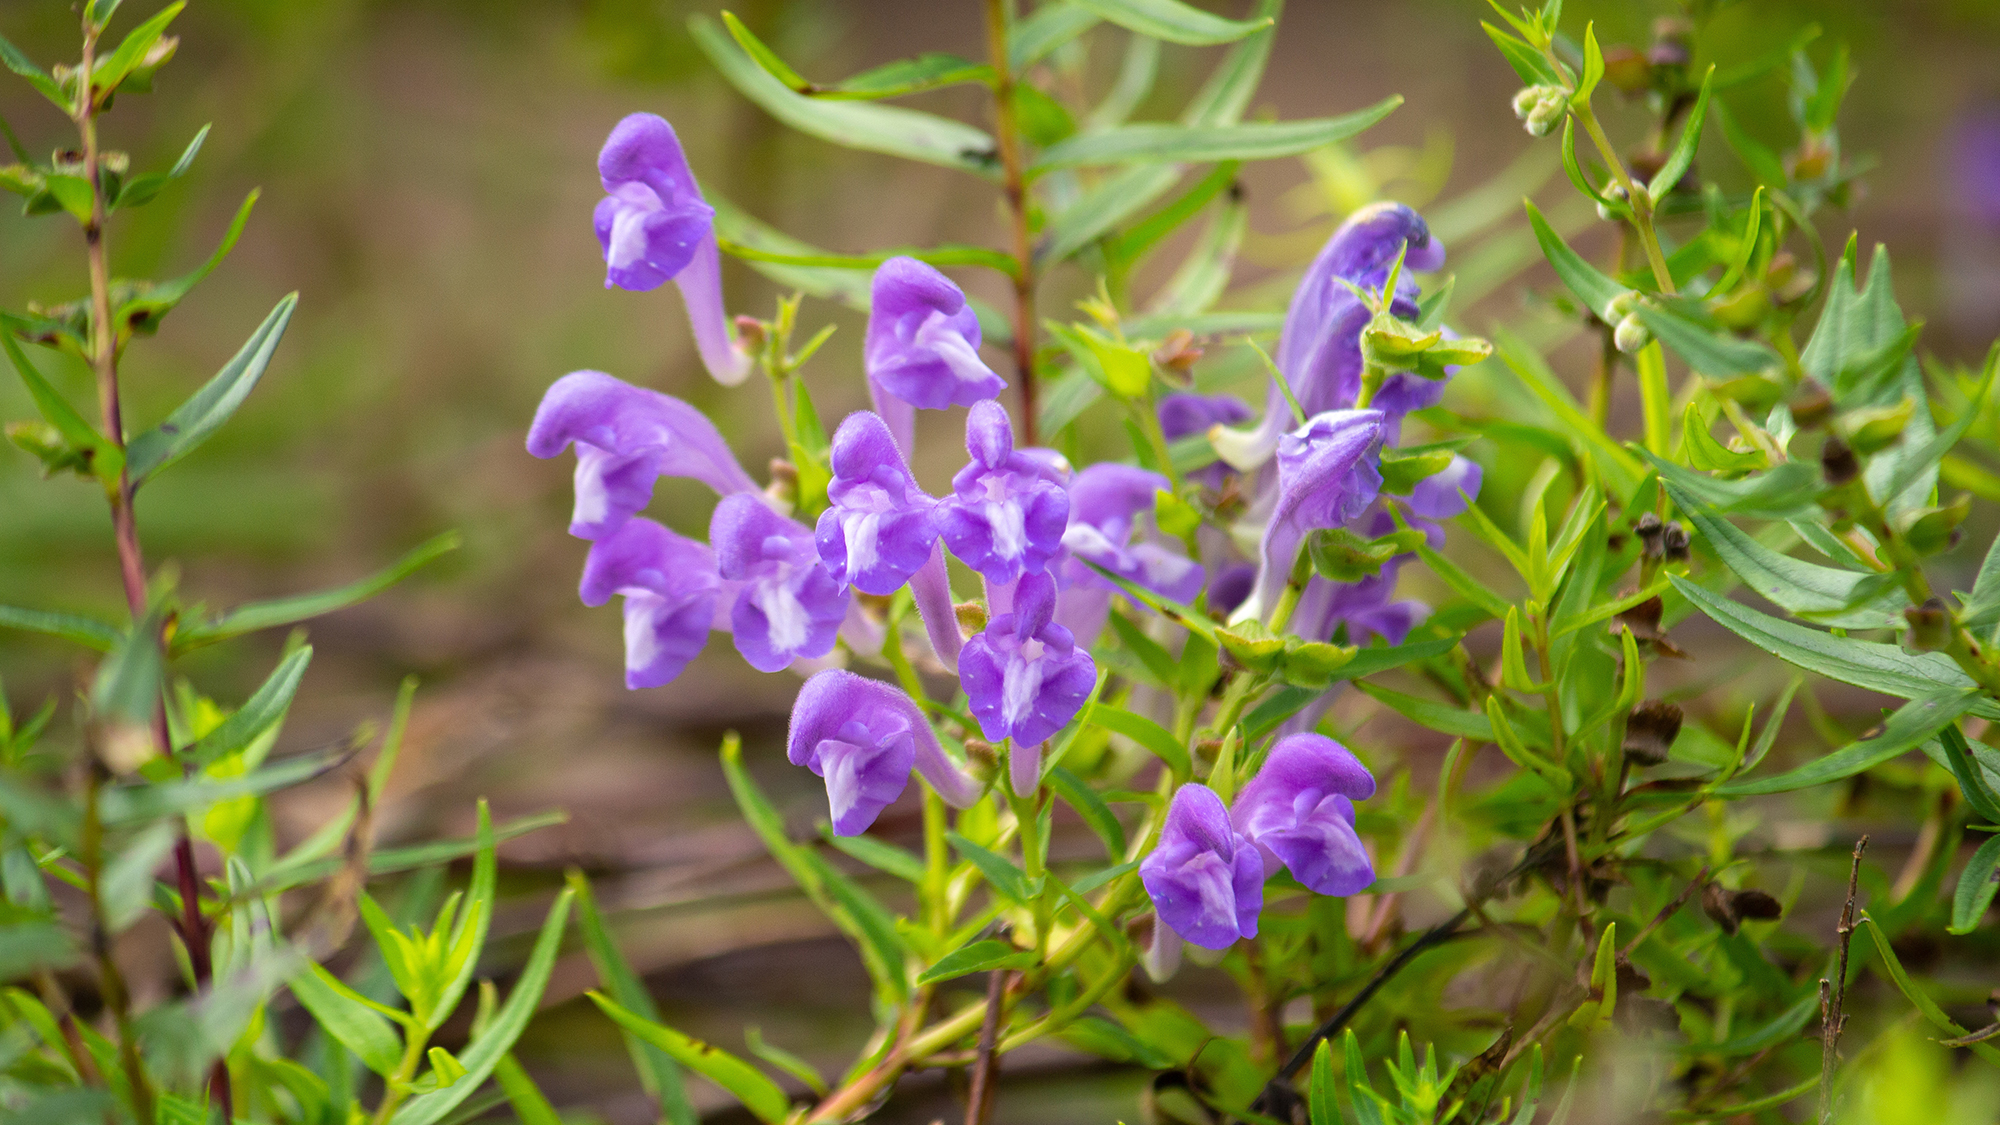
(1147, 733)
(1878, 667)
(1517, 751)
(1827, 595)
(263, 710)
(127, 685)
(303, 607)
(1976, 885)
(349, 1018)
(893, 130)
(1000, 871)
(468, 933)
(29, 947)
(1154, 141)
(1982, 605)
(126, 804)
(140, 189)
(530, 1105)
(445, 1067)
(152, 301)
(1593, 71)
(1091, 808)
(1050, 26)
(484, 1053)
(1432, 715)
(1924, 1004)
(884, 857)
(112, 68)
(1590, 285)
(127, 886)
(85, 631)
(1148, 650)
(1913, 724)
(1323, 1106)
(1709, 351)
(761, 1096)
(1172, 21)
(1617, 468)
(978, 957)
(21, 64)
(929, 71)
(1677, 164)
(193, 421)
(784, 1060)
(764, 56)
(1782, 493)
(1971, 775)
(1531, 65)
(657, 1070)
(388, 861)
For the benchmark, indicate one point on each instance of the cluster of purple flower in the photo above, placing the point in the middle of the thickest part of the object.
(1041, 536)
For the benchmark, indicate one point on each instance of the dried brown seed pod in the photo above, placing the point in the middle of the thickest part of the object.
(1650, 731)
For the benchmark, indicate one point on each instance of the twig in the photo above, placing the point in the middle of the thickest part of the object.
(1833, 995)
(1667, 911)
(1015, 187)
(986, 1065)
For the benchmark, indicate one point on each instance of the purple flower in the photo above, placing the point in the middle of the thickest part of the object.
(1186, 415)
(1205, 878)
(1105, 501)
(1024, 675)
(1299, 811)
(1436, 497)
(922, 348)
(670, 587)
(1007, 510)
(863, 736)
(1327, 477)
(880, 527)
(789, 607)
(1319, 349)
(626, 438)
(654, 226)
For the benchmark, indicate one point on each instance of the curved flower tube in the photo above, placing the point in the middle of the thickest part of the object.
(1007, 511)
(1205, 878)
(627, 438)
(1299, 812)
(864, 736)
(654, 226)
(1105, 501)
(1319, 348)
(789, 607)
(880, 527)
(670, 586)
(922, 349)
(1024, 676)
(1326, 478)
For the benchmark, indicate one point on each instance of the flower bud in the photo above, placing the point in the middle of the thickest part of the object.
(1930, 625)
(1525, 100)
(1650, 731)
(1674, 542)
(1551, 102)
(1622, 305)
(1627, 69)
(783, 490)
(1810, 403)
(971, 618)
(749, 333)
(1615, 195)
(1631, 334)
(1673, 39)
(1649, 529)
(1178, 353)
(1812, 159)
(1838, 462)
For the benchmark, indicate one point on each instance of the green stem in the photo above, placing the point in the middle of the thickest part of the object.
(397, 1086)
(1636, 200)
(111, 982)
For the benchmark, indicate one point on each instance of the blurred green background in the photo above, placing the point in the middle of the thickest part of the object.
(428, 171)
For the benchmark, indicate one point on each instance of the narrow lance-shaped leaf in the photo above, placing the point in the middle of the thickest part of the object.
(85, 631)
(657, 1071)
(1172, 21)
(201, 415)
(978, 957)
(907, 133)
(1585, 280)
(483, 1054)
(1828, 595)
(1913, 724)
(1976, 885)
(761, 1096)
(1879, 667)
(259, 713)
(1163, 142)
(142, 313)
(141, 188)
(468, 934)
(349, 1018)
(127, 686)
(1709, 351)
(14, 60)
(303, 607)
(1677, 163)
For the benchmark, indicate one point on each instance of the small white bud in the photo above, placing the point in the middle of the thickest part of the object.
(1631, 334)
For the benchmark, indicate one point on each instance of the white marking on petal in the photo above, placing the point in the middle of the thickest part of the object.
(642, 640)
(937, 334)
(628, 224)
(1010, 530)
(864, 536)
(593, 500)
(1021, 682)
(783, 611)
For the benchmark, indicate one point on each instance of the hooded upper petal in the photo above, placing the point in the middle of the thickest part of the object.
(923, 340)
(788, 606)
(1327, 476)
(627, 437)
(879, 527)
(1205, 878)
(1024, 677)
(1007, 511)
(670, 586)
(653, 215)
(1299, 812)
(863, 736)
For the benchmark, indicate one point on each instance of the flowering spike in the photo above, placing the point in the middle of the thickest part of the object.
(1007, 510)
(879, 528)
(670, 586)
(922, 348)
(1205, 878)
(654, 226)
(626, 438)
(1319, 350)
(1024, 675)
(789, 606)
(863, 736)
(1326, 477)
(1299, 812)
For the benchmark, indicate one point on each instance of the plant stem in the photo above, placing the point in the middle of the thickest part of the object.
(1015, 188)
(979, 1100)
(1832, 1000)
(111, 982)
(124, 522)
(397, 1087)
(1636, 199)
